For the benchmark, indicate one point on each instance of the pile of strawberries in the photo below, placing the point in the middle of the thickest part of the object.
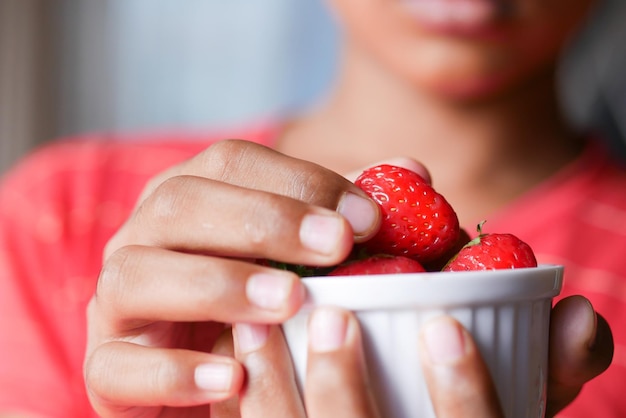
(420, 232)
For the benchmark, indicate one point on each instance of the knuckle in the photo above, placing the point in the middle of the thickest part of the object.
(266, 217)
(161, 204)
(317, 186)
(165, 377)
(219, 159)
(156, 180)
(96, 371)
(164, 206)
(110, 247)
(114, 274)
(151, 185)
(165, 202)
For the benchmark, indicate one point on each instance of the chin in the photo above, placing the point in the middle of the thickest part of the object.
(476, 87)
(468, 91)
(465, 89)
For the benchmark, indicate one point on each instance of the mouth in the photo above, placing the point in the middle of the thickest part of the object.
(458, 15)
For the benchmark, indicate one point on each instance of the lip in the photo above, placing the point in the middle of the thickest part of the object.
(468, 18)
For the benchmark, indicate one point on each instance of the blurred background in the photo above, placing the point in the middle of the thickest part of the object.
(69, 67)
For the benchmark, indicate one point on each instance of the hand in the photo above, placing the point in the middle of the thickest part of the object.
(337, 378)
(581, 348)
(182, 267)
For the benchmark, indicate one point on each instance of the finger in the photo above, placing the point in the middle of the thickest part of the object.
(270, 389)
(581, 347)
(199, 215)
(228, 408)
(140, 285)
(337, 378)
(253, 166)
(407, 163)
(121, 373)
(458, 380)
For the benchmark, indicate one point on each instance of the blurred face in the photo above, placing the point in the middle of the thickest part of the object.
(462, 48)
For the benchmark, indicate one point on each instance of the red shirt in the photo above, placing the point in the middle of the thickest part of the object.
(59, 207)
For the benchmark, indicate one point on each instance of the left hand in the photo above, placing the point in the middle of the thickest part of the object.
(337, 378)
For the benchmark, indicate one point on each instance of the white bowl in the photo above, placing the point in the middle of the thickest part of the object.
(506, 311)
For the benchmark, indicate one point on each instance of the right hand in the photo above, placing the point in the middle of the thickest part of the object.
(182, 268)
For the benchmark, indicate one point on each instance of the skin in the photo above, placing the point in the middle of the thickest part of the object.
(177, 275)
(167, 289)
(487, 135)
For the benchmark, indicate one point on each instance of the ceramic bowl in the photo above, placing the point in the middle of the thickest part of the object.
(506, 311)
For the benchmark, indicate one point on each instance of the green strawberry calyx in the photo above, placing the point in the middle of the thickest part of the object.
(479, 229)
(471, 243)
(481, 234)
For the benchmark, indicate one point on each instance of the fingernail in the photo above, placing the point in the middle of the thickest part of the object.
(444, 340)
(269, 291)
(214, 377)
(327, 329)
(592, 321)
(360, 212)
(321, 233)
(251, 337)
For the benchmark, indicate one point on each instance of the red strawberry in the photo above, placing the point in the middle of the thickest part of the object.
(493, 252)
(378, 264)
(417, 221)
